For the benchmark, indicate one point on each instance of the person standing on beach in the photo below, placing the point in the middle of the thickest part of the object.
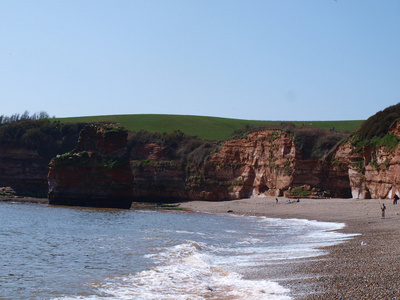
(395, 199)
(383, 208)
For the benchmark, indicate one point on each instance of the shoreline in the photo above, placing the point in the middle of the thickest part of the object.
(364, 267)
(22, 199)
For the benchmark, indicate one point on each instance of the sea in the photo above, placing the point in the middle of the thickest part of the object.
(52, 252)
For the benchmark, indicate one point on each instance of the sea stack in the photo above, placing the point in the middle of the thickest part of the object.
(96, 173)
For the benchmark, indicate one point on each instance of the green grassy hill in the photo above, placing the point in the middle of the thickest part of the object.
(206, 127)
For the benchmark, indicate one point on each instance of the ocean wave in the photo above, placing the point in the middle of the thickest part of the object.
(189, 273)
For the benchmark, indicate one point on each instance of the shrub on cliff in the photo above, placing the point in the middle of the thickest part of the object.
(86, 159)
(375, 130)
(178, 146)
(284, 126)
(378, 125)
(315, 142)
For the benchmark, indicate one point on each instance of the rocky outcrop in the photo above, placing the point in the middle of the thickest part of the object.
(97, 173)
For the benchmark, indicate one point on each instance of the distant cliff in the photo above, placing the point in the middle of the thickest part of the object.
(96, 173)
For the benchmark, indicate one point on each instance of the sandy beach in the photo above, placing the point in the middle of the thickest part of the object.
(365, 267)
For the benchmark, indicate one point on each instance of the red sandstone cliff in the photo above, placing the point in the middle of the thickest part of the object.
(97, 173)
(373, 171)
(264, 163)
(24, 170)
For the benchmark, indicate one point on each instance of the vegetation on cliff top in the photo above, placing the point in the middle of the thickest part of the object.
(375, 130)
(313, 142)
(378, 125)
(177, 145)
(317, 142)
(185, 137)
(23, 117)
(46, 136)
(87, 159)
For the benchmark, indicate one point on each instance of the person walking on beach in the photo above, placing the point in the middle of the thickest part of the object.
(395, 199)
(383, 208)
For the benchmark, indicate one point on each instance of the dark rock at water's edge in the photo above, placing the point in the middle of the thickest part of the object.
(96, 174)
(100, 202)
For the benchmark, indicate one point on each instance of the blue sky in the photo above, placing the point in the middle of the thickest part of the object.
(250, 59)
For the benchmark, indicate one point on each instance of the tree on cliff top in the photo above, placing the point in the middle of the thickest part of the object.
(378, 125)
(24, 117)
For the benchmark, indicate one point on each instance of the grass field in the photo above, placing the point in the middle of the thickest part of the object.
(211, 128)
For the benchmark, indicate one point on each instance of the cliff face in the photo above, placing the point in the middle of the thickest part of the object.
(100, 172)
(264, 163)
(373, 171)
(97, 173)
(23, 170)
(26, 148)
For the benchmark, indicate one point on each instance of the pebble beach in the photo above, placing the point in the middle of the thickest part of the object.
(365, 267)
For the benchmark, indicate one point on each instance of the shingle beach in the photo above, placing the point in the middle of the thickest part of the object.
(365, 267)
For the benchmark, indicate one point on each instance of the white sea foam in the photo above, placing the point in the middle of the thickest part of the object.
(189, 232)
(212, 269)
(190, 274)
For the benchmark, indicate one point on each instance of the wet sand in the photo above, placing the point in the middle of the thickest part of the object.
(365, 267)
